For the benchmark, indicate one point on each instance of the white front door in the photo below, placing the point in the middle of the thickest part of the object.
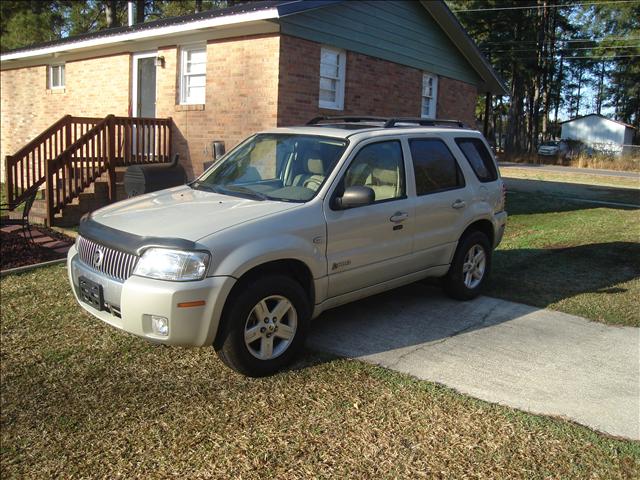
(143, 102)
(143, 85)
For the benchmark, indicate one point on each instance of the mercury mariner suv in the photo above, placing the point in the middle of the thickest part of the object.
(292, 222)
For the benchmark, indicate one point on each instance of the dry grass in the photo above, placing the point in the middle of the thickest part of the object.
(624, 162)
(581, 178)
(629, 163)
(80, 399)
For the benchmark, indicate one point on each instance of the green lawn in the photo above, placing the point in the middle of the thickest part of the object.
(81, 399)
(577, 257)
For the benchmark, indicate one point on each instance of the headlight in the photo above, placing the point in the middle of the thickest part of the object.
(177, 265)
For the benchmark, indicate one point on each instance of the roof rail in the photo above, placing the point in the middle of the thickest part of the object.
(346, 119)
(424, 122)
(389, 122)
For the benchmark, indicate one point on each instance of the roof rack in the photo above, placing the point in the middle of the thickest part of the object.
(389, 122)
(424, 122)
(345, 119)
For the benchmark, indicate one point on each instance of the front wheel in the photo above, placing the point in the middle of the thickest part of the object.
(470, 267)
(264, 326)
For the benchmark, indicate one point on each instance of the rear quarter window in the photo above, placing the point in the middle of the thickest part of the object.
(434, 165)
(479, 158)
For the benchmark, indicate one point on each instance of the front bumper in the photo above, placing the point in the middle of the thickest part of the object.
(129, 305)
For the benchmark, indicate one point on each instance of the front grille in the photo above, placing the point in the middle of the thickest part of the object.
(114, 263)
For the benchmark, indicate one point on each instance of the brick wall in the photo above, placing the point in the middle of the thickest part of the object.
(94, 88)
(372, 87)
(457, 100)
(253, 83)
(241, 96)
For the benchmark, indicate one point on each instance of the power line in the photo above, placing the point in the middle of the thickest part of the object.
(598, 57)
(560, 49)
(537, 7)
(571, 40)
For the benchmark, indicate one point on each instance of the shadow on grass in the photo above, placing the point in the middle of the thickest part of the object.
(546, 197)
(545, 276)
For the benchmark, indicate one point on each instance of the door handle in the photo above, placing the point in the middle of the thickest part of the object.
(399, 217)
(459, 204)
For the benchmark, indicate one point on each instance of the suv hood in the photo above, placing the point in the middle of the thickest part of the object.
(182, 212)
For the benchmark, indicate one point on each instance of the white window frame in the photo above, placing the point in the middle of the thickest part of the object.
(340, 79)
(184, 100)
(61, 77)
(433, 99)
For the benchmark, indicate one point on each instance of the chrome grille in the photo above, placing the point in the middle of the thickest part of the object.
(116, 264)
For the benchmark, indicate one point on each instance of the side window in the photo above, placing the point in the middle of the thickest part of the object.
(435, 167)
(56, 76)
(479, 158)
(379, 166)
(332, 78)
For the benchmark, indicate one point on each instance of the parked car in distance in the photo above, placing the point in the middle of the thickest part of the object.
(292, 222)
(554, 148)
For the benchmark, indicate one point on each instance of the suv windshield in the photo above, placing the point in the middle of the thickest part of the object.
(550, 144)
(283, 167)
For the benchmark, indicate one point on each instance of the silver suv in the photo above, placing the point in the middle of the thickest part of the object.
(292, 222)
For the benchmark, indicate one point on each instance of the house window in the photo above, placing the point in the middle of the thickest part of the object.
(429, 95)
(332, 74)
(56, 76)
(193, 74)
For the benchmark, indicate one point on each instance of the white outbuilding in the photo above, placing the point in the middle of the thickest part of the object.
(598, 132)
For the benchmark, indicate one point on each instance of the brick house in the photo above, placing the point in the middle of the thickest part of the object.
(224, 74)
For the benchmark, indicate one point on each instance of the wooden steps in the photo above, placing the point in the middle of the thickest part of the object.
(95, 196)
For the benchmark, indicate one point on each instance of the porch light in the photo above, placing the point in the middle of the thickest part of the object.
(159, 61)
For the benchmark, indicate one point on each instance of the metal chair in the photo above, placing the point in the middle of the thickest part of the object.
(24, 221)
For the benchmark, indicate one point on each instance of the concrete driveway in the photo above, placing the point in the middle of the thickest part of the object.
(533, 359)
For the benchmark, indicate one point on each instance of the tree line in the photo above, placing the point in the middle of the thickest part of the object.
(576, 57)
(24, 22)
(555, 56)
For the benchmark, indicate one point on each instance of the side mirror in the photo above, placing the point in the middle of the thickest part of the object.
(356, 196)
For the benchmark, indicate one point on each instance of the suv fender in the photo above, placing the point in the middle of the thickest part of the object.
(247, 256)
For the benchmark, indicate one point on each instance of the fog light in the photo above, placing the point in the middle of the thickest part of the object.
(160, 325)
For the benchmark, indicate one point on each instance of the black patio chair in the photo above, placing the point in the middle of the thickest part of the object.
(24, 221)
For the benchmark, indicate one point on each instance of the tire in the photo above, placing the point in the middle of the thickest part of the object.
(456, 282)
(244, 342)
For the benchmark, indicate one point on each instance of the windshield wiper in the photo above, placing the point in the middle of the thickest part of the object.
(203, 186)
(245, 191)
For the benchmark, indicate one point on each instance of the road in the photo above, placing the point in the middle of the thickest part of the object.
(537, 360)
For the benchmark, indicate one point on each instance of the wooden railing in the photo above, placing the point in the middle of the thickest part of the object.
(75, 151)
(26, 169)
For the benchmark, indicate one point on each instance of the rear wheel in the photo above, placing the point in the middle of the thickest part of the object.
(264, 326)
(470, 267)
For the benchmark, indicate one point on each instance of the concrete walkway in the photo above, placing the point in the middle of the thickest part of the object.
(532, 359)
(561, 169)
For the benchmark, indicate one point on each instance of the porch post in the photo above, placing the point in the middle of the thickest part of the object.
(8, 172)
(111, 162)
(48, 193)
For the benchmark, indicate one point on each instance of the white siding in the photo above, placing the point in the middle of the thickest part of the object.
(598, 132)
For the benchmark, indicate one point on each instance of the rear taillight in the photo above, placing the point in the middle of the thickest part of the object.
(503, 198)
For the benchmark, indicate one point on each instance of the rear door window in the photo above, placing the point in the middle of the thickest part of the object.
(479, 158)
(434, 165)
